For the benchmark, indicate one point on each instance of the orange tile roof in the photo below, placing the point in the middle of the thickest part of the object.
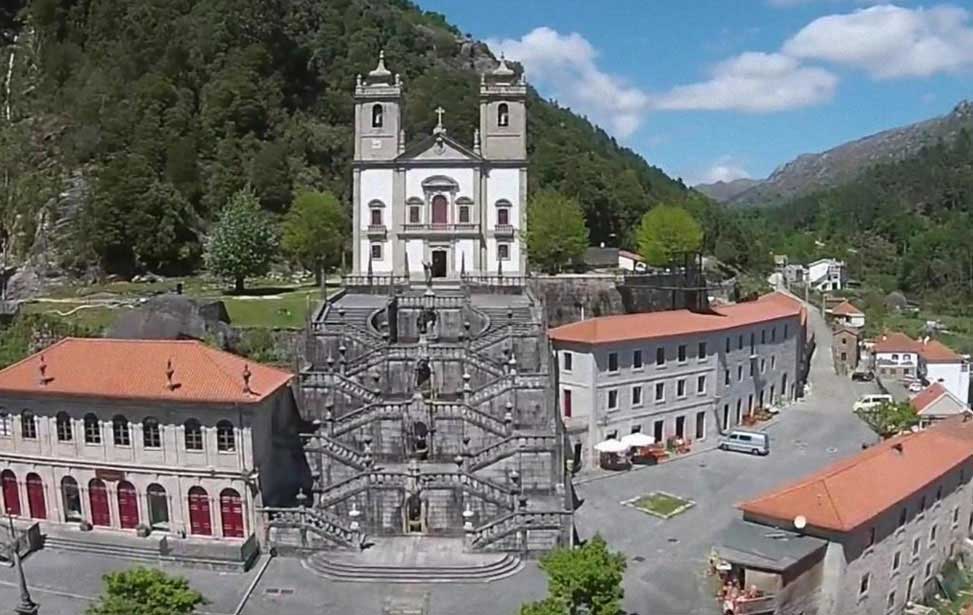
(632, 255)
(853, 491)
(846, 308)
(895, 342)
(935, 351)
(137, 369)
(927, 396)
(654, 325)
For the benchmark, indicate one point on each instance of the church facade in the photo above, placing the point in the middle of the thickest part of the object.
(439, 206)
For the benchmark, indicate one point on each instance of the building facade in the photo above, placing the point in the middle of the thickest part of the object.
(440, 206)
(827, 274)
(170, 438)
(866, 535)
(845, 350)
(896, 355)
(678, 373)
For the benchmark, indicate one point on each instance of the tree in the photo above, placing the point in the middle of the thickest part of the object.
(314, 231)
(145, 591)
(242, 243)
(556, 231)
(889, 419)
(587, 579)
(666, 232)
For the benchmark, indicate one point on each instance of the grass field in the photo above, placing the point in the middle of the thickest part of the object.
(661, 504)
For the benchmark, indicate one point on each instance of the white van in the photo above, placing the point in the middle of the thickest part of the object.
(753, 442)
(871, 400)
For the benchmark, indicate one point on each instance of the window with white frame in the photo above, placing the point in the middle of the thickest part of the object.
(613, 399)
(568, 360)
(701, 384)
(5, 425)
(613, 361)
(503, 251)
(660, 356)
(660, 391)
(681, 387)
(636, 359)
(701, 354)
(637, 395)
(376, 251)
(682, 353)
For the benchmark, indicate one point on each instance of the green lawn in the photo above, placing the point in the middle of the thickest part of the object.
(286, 310)
(661, 504)
(97, 318)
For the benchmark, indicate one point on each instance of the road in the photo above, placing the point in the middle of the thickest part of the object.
(667, 559)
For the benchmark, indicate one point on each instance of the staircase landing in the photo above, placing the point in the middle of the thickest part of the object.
(414, 559)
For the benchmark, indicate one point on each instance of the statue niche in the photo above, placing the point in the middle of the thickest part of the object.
(427, 318)
(420, 440)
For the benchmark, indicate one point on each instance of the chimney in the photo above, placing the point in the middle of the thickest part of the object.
(897, 447)
(42, 368)
(172, 386)
(246, 379)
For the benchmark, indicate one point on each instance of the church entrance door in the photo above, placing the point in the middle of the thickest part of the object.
(439, 263)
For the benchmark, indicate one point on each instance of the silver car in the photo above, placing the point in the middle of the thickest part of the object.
(753, 442)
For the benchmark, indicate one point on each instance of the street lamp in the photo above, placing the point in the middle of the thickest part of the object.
(26, 606)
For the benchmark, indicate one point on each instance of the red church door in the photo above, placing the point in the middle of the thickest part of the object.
(199, 519)
(128, 505)
(35, 497)
(11, 494)
(231, 513)
(98, 497)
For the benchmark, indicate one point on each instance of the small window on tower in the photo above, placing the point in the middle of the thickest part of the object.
(414, 215)
(464, 214)
(503, 216)
(376, 217)
(377, 251)
(503, 252)
(503, 115)
(377, 116)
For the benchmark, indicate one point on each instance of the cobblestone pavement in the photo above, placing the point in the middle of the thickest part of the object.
(667, 559)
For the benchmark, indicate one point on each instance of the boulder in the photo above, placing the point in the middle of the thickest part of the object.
(170, 317)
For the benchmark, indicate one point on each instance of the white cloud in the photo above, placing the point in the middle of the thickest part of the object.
(565, 67)
(890, 41)
(754, 82)
(725, 169)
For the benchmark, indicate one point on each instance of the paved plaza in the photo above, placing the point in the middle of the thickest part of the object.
(667, 559)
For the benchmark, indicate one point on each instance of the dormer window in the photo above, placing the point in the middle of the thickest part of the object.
(503, 115)
(377, 116)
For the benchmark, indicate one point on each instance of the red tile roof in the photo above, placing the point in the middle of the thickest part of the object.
(895, 342)
(846, 308)
(928, 395)
(137, 369)
(935, 351)
(654, 325)
(853, 491)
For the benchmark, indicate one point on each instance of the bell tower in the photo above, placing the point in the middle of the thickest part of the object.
(503, 114)
(378, 114)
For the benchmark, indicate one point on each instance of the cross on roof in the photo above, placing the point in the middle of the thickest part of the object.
(439, 115)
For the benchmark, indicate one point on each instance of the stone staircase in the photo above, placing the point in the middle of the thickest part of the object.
(509, 446)
(471, 415)
(331, 527)
(337, 451)
(474, 485)
(502, 567)
(335, 493)
(486, 535)
(324, 380)
(366, 414)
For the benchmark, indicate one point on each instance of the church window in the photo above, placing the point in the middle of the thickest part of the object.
(440, 209)
(377, 251)
(464, 214)
(377, 116)
(503, 115)
(414, 215)
(503, 216)
(376, 217)
(503, 251)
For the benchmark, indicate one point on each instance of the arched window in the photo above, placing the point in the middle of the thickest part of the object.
(35, 497)
(5, 429)
(194, 435)
(503, 115)
(158, 506)
(28, 425)
(440, 210)
(225, 436)
(65, 432)
(98, 501)
(377, 116)
(503, 216)
(92, 429)
(415, 210)
(120, 431)
(11, 492)
(71, 496)
(151, 438)
(199, 516)
(128, 505)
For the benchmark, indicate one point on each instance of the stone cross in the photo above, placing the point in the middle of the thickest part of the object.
(439, 116)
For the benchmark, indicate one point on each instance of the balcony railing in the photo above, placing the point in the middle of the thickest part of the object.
(763, 605)
(377, 230)
(440, 229)
(504, 230)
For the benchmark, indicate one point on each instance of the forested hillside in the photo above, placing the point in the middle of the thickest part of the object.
(127, 124)
(905, 225)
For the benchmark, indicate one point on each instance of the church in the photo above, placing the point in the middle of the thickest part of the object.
(440, 208)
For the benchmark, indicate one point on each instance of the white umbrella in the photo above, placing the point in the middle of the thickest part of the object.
(637, 440)
(611, 446)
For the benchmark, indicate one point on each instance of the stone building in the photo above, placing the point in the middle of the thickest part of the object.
(430, 405)
(845, 349)
(440, 204)
(865, 535)
(678, 373)
(169, 441)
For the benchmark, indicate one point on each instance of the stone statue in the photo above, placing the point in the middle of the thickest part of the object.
(427, 317)
(423, 372)
(427, 269)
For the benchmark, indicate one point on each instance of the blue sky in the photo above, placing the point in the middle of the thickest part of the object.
(719, 89)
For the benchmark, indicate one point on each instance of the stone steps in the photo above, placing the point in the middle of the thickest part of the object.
(336, 570)
(147, 553)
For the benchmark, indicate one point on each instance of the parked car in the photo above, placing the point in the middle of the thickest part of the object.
(863, 376)
(915, 387)
(871, 400)
(753, 442)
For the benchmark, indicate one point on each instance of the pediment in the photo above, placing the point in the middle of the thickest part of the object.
(439, 148)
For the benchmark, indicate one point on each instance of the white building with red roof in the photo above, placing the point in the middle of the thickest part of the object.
(848, 315)
(167, 443)
(896, 355)
(678, 373)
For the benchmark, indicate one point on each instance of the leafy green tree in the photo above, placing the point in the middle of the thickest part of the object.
(556, 231)
(587, 579)
(666, 232)
(314, 231)
(889, 419)
(145, 591)
(242, 243)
